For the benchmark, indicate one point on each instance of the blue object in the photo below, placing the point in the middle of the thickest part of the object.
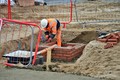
(42, 38)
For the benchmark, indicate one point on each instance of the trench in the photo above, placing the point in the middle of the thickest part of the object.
(85, 37)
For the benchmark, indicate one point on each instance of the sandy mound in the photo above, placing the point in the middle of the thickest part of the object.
(96, 62)
(99, 61)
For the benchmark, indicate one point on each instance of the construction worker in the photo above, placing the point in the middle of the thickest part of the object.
(52, 28)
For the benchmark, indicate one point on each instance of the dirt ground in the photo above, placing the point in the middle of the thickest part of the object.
(22, 74)
(95, 61)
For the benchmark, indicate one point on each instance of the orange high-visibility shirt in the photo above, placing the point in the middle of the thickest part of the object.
(52, 26)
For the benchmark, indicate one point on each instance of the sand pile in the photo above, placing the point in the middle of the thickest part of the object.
(99, 61)
(96, 62)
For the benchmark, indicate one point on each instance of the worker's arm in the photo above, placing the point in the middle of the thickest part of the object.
(47, 34)
(53, 31)
(51, 36)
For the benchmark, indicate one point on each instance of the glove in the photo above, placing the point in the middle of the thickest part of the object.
(47, 36)
(49, 40)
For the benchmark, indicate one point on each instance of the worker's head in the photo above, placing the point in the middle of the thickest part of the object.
(44, 23)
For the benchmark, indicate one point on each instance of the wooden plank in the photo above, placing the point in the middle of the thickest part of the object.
(48, 59)
(46, 49)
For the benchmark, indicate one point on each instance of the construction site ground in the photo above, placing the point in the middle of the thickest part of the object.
(94, 64)
(24, 74)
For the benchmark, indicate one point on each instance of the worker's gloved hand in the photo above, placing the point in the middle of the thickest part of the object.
(46, 36)
(49, 40)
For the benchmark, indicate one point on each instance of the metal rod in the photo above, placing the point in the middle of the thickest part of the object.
(71, 5)
(9, 9)
(1, 22)
(36, 49)
(21, 22)
(31, 47)
(76, 14)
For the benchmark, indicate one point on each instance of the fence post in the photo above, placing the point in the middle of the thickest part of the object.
(0, 24)
(9, 10)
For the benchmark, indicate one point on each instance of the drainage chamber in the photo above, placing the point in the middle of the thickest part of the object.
(67, 52)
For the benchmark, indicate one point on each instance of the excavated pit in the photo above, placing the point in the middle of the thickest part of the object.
(85, 37)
